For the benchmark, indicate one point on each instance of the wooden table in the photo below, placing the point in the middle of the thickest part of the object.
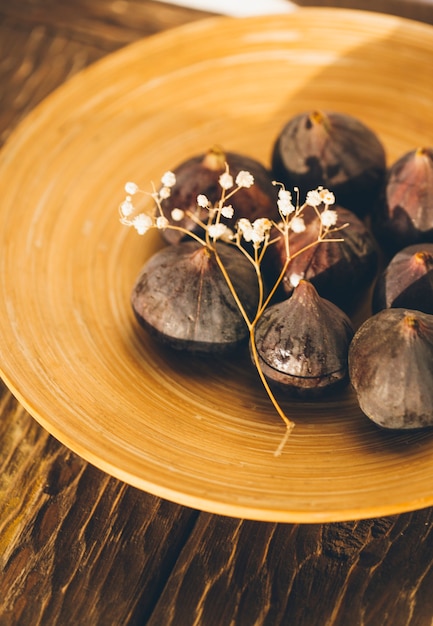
(78, 547)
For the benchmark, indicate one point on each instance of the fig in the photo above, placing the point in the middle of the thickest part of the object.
(200, 174)
(407, 281)
(181, 297)
(339, 270)
(391, 368)
(302, 344)
(334, 150)
(406, 216)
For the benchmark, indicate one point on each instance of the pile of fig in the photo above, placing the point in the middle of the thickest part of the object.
(305, 341)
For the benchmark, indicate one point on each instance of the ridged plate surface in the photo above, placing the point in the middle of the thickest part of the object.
(199, 433)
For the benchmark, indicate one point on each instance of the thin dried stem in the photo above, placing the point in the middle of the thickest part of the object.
(289, 424)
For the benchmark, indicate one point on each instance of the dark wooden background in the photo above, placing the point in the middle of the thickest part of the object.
(78, 547)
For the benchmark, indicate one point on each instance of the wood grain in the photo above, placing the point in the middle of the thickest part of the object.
(412, 9)
(43, 44)
(66, 527)
(358, 573)
(68, 533)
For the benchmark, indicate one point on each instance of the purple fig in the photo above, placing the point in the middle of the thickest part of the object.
(200, 175)
(181, 297)
(340, 270)
(334, 150)
(391, 368)
(407, 281)
(302, 344)
(407, 213)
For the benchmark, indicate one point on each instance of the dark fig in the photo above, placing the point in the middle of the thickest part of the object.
(407, 281)
(391, 368)
(334, 150)
(200, 175)
(181, 297)
(406, 217)
(302, 344)
(340, 270)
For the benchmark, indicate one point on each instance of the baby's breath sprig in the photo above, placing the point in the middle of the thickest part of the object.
(251, 238)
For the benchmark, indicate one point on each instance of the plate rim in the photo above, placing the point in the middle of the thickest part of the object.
(13, 141)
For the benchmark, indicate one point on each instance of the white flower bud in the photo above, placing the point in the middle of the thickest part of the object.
(295, 279)
(314, 198)
(142, 223)
(168, 179)
(161, 222)
(244, 179)
(202, 201)
(217, 231)
(297, 224)
(327, 196)
(245, 228)
(328, 217)
(177, 215)
(284, 202)
(131, 188)
(227, 211)
(226, 181)
(126, 208)
(164, 193)
(261, 227)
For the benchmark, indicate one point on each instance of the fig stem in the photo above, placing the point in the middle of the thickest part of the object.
(289, 258)
(231, 286)
(251, 327)
(190, 234)
(289, 424)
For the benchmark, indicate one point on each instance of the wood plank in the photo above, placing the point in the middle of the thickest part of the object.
(108, 24)
(42, 44)
(421, 10)
(373, 572)
(76, 546)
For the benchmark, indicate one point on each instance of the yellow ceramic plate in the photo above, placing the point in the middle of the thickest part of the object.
(199, 433)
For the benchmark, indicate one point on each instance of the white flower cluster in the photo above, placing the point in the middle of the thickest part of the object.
(257, 232)
(142, 222)
(315, 198)
(321, 196)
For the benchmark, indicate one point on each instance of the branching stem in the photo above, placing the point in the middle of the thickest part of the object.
(256, 234)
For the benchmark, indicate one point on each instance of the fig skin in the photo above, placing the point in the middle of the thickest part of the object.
(182, 299)
(303, 344)
(340, 271)
(407, 281)
(334, 150)
(391, 368)
(406, 215)
(200, 174)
